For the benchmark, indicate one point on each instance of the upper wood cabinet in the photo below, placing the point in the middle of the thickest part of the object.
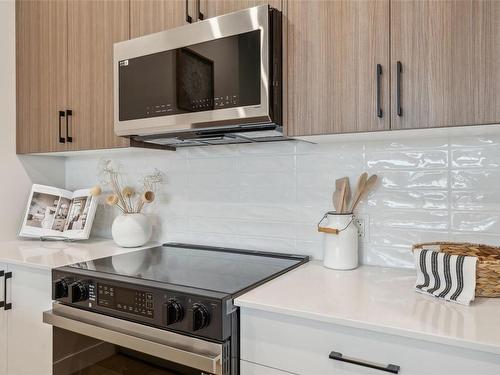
(338, 66)
(152, 16)
(93, 27)
(41, 76)
(213, 8)
(65, 73)
(450, 56)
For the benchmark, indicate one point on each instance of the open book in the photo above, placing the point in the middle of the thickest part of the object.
(53, 212)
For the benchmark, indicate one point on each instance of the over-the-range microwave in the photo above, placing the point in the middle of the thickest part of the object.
(211, 82)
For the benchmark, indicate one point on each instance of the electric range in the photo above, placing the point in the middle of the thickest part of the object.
(176, 295)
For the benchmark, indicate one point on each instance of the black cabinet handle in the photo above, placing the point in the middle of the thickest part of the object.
(69, 113)
(200, 15)
(399, 70)
(61, 115)
(6, 305)
(394, 369)
(188, 17)
(2, 302)
(380, 113)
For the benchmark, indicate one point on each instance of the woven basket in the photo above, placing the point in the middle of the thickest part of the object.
(487, 268)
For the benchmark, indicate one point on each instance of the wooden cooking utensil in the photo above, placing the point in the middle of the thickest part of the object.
(370, 183)
(341, 185)
(347, 196)
(335, 199)
(359, 190)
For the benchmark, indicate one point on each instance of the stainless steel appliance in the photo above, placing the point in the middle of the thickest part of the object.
(215, 81)
(165, 310)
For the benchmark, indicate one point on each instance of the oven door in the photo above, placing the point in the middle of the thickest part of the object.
(89, 343)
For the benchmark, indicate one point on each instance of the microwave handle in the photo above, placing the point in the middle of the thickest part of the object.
(144, 339)
(188, 17)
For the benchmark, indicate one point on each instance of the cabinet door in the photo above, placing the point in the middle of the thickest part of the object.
(41, 76)
(450, 54)
(30, 340)
(152, 16)
(93, 27)
(3, 326)
(333, 49)
(213, 8)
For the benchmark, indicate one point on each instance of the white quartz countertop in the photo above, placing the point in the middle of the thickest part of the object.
(52, 254)
(378, 299)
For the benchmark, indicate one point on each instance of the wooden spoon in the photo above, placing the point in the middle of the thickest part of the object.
(370, 183)
(359, 190)
(341, 186)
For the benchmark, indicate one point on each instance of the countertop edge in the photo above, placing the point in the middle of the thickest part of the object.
(445, 340)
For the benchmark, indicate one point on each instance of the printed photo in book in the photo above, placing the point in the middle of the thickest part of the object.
(53, 212)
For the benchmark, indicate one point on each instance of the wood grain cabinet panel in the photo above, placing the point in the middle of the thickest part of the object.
(152, 16)
(333, 48)
(41, 74)
(450, 57)
(93, 27)
(214, 8)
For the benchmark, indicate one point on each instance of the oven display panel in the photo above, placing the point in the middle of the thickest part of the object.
(127, 300)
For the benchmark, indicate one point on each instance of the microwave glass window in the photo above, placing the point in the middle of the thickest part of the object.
(218, 74)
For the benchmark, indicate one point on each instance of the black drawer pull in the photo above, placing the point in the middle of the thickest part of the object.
(380, 113)
(399, 70)
(188, 17)
(2, 302)
(7, 306)
(394, 369)
(61, 115)
(69, 113)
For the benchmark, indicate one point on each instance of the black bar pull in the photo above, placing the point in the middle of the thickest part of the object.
(393, 369)
(200, 14)
(188, 17)
(69, 113)
(399, 70)
(7, 305)
(380, 113)
(61, 115)
(2, 302)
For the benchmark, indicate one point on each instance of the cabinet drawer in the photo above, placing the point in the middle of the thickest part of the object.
(249, 368)
(302, 346)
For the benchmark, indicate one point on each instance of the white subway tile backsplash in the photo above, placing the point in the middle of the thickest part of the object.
(417, 180)
(271, 196)
(429, 159)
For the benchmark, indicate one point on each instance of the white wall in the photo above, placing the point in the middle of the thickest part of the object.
(271, 196)
(16, 174)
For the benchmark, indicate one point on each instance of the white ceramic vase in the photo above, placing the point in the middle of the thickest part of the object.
(131, 230)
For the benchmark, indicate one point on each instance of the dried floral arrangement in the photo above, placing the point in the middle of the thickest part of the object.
(127, 199)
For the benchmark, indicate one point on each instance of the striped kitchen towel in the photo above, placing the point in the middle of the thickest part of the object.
(452, 277)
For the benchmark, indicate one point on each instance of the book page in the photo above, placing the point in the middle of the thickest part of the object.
(80, 215)
(46, 212)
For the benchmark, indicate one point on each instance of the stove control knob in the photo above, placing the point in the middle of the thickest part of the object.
(200, 318)
(79, 291)
(173, 311)
(59, 289)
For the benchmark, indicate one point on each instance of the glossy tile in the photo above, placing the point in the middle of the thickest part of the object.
(271, 196)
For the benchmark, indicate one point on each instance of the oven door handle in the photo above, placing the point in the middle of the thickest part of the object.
(191, 352)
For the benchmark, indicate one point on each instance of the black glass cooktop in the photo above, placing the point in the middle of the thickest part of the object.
(209, 268)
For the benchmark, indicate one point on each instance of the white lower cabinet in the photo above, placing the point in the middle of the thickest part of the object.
(3, 324)
(302, 346)
(29, 340)
(249, 368)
